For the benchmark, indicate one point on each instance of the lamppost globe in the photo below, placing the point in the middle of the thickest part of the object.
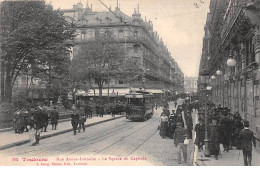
(208, 88)
(231, 62)
(219, 72)
(213, 77)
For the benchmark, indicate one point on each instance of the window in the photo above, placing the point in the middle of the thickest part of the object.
(136, 46)
(96, 33)
(120, 82)
(135, 33)
(107, 33)
(121, 33)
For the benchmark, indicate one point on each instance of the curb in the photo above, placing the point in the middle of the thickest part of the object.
(12, 129)
(54, 134)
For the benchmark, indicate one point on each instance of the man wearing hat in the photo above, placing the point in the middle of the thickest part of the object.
(214, 136)
(247, 138)
(200, 134)
(180, 135)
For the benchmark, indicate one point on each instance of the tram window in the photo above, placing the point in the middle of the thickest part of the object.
(136, 102)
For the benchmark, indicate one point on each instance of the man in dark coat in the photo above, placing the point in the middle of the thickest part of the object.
(189, 123)
(36, 123)
(88, 111)
(75, 122)
(238, 126)
(214, 137)
(200, 134)
(247, 138)
(226, 132)
(44, 118)
(180, 135)
(179, 119)
(18, 122)
(171, 126)
(54, 117)
(82, 119)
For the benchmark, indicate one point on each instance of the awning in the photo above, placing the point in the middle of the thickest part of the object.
(155, 91)
(112, 92)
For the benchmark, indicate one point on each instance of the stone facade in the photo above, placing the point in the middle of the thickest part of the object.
(234, 27)
(139, 40)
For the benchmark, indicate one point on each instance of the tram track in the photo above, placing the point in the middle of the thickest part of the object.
(123, 138)
(56, 150)
(47, 147)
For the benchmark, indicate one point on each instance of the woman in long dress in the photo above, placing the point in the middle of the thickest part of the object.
(163, 125)
(32, 130)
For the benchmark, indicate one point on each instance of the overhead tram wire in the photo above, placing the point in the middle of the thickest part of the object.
(120, 18)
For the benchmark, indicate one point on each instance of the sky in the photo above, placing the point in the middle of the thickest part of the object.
(180, 23)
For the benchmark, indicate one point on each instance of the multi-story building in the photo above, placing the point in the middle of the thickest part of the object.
(139, 40)
(190, 84)
(232, 33)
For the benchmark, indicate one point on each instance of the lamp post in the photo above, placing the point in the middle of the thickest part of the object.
(204, 80)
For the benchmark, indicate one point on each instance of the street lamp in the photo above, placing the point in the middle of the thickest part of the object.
(204, 80)
(231, 62)
(219, 72)
(213, 77)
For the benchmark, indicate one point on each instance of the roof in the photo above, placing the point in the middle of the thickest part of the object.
(253, 15)
(115, 92)
(92, 16)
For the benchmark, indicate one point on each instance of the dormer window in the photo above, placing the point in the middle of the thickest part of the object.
(98, 20)
(108, 20)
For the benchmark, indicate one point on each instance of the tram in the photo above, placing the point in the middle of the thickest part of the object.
(139, 105)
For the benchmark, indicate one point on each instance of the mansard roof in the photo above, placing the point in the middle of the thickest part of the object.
(89, 15)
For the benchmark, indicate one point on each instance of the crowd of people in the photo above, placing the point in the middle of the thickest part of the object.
(227, 129)
(177, 125)
(36, 118)
(223, 128)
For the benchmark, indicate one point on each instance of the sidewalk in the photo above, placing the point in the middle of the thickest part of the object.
(11, 139)
(232, 158)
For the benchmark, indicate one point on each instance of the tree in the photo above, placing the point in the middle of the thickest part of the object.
(34, 39)
(100, 60)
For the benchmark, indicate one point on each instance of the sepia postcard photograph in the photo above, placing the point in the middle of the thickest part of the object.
(129, 83)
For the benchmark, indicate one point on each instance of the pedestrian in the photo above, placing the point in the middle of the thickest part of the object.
(171, 126)
(226, 132)
(82, 119)
(88, 111)
(44, 118)
(101, 110)
(17, 122)
(200, 134)
(54, 117)
(112, 109)
(175, 103)
(238, 126)
(26, 115)
(247, 138)
(180, 135)
(74, 121)
(179, 118)
(189, 123)
(166, 112)
(35, 125)
(163, 125)
(32, 124)
(214, 138)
